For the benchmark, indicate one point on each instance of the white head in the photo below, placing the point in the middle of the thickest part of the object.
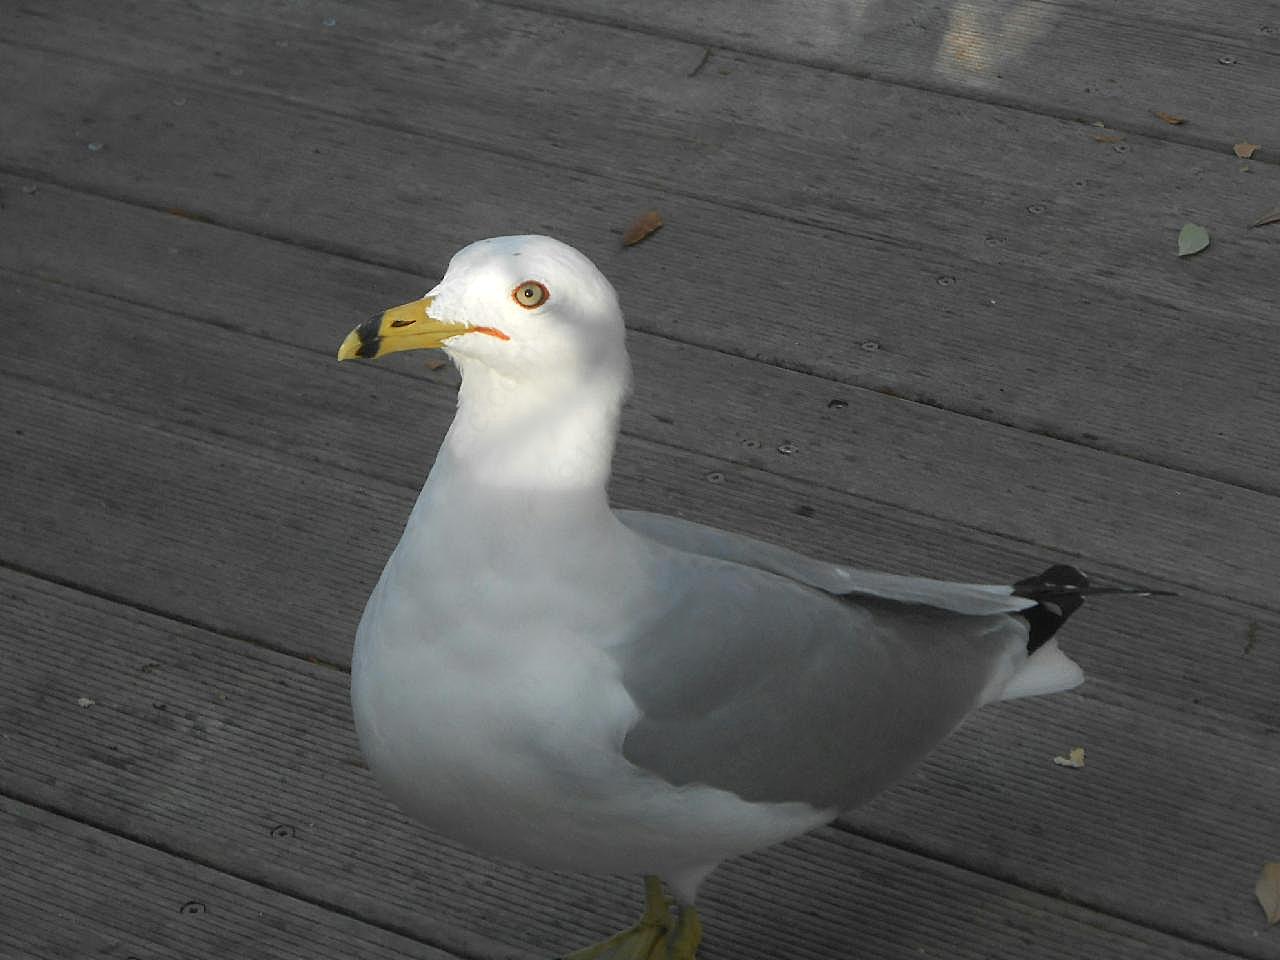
(530, 309)
(537, 332)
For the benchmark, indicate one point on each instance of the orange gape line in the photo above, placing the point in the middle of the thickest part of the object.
(491, 332)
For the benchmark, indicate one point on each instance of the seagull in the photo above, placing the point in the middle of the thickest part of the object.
(549, 680)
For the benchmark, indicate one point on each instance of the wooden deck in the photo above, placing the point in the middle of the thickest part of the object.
(916, 306)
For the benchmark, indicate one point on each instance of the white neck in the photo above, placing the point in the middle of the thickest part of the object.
(552, 437)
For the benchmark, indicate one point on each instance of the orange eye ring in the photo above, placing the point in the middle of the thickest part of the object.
(531, 294)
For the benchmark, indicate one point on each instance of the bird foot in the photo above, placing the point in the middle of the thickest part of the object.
(658, 936)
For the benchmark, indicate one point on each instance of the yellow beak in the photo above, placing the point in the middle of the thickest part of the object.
(406, 327)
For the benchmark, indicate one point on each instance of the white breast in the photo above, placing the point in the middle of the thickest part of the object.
(511, 744)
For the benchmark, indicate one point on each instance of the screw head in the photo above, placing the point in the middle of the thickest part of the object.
(871, 346)
(192, 907)
(1228, 61)
(837, 404)
(946, 280)
(715, 476)
(282, 831)
(787, 448)
(1036, 208)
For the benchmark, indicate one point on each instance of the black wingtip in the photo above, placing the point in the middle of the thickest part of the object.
(1060, 592)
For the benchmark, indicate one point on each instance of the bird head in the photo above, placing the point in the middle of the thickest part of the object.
(531, 309)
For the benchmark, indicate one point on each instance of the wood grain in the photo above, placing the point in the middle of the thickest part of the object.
(1055, 497)
(1091, 59)
(902, 207)
(204, 745)
(285, 557)
(214, 471)
(69, 890)
(1039, 313)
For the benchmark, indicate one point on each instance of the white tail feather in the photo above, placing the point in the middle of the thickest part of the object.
(1048, 670)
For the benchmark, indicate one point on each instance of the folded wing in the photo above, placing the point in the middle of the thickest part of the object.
(833, 578)
(771, 688)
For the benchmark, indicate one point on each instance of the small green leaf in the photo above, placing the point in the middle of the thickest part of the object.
(1192, 238)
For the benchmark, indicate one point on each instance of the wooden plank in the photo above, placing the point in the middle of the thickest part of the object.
(1091, 59)
(190, 509)
(204, 745)
(247, 528)
(1093, 286)
(71, 890)
(208, 547)
(1057, 496)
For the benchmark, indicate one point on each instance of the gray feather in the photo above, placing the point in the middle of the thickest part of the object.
(833, 578)
(767, 687)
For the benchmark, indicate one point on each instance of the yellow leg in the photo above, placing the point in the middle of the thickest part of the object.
(682, 942)
(646, 940)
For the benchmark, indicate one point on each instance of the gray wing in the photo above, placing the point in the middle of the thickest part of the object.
(767, 687)
(832, 578)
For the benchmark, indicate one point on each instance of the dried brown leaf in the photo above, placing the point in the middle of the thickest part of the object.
(1075, 758)
(1245, 151)
(1108, 137)
(435, 363)
(1170, 118)
(1268, 891)
(1272, 217)
(641, 227)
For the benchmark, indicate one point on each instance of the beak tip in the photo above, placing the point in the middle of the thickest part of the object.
(406, 327)
(350, 348)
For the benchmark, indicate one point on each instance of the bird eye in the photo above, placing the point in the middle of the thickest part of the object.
(530, 294)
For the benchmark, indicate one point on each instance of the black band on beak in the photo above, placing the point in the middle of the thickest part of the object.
(369, 339)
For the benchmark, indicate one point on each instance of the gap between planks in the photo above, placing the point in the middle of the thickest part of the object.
(180, 674)
(107, 884)
(876, 534)
(138, 390)
(727, 41)
(297, 622)
(88, 190)
(947, 406)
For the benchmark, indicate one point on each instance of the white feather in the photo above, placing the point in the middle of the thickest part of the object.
(1048, 670)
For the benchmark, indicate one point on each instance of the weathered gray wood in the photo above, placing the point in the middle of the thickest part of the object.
(1089, 299)
(204, 745)
(218, 506)
(1092, 59)
(1059, 497)
(69, 891)
(196, 494)
(192, 513)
